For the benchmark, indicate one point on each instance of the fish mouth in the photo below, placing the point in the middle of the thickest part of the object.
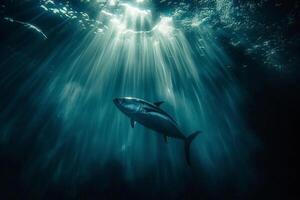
(116, 101)
(119, 104)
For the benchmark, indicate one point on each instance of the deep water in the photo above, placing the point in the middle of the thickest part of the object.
(225, 67)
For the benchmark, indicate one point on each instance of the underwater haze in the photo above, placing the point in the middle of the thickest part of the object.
(227, 68)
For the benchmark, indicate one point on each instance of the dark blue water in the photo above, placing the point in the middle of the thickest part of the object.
(227, 68)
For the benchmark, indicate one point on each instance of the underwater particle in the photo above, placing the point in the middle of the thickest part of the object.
(8, 19)
(28, 25)
(107, 13)
(44, 7)
(153, 117)
(49, 2)
(197, 22)
(55, 10)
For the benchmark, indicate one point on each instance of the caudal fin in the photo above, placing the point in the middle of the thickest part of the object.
(187, 145)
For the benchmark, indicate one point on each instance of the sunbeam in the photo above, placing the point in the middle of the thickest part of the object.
(130, 49)
(150, 59)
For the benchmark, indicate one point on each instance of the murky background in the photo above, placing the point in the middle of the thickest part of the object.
(226, 67)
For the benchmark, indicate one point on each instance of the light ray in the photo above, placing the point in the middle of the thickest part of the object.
(158, 63)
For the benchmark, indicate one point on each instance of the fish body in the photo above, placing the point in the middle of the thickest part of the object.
(153, 117)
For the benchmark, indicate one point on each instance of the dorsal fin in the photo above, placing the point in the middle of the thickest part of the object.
(158, 103)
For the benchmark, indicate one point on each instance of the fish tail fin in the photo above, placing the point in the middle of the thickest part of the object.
(187, 144)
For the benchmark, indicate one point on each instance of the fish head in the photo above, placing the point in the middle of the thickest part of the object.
(128, 105)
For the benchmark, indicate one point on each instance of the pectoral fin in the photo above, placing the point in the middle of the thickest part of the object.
(132, 122)
(165, 138)
(158, 103)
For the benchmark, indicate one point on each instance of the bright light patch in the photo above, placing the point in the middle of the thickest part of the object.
(112, 2)
(118, 25)
(130, 21)
(165, 26)
(134, 10)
